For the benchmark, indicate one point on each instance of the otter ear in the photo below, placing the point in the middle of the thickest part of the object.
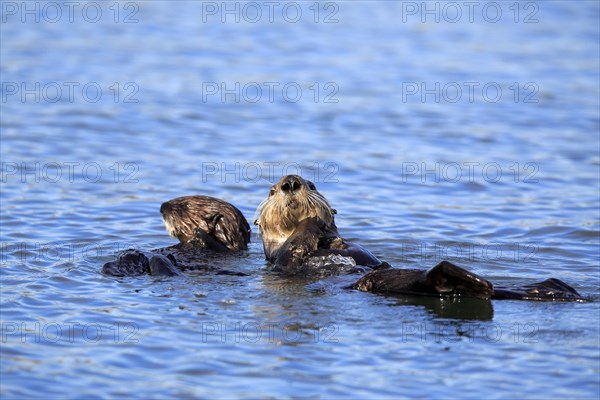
(272, 192)
(311, 185)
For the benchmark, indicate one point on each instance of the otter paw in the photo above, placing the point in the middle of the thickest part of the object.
(449, 279)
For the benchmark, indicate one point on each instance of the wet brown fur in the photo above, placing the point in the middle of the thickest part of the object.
(282, 211)
(185, 216)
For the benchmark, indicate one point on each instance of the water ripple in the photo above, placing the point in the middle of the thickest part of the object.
(508, 189)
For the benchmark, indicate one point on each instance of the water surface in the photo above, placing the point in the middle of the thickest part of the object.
(393, 125)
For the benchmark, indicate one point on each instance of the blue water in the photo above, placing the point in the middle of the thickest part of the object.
(473, 138)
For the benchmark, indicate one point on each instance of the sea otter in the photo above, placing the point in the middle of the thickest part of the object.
(296, 223)
(297, 227)
(299, 234)
(207, 229)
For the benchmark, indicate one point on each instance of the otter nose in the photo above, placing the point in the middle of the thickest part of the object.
(291, 184)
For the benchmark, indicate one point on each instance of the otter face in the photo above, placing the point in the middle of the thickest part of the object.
(290, 201)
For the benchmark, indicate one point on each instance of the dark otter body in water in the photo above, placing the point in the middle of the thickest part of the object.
(214, 222)
(207, 229)
(300, 237)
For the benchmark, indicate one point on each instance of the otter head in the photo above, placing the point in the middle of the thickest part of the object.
(290, 201)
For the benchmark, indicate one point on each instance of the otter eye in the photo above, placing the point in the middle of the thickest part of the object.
(311, 185)
(271, 192)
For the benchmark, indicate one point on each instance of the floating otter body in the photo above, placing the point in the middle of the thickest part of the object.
(298, 231)
(296, 223)
(219, 224)
(206, 227)
(299, 235)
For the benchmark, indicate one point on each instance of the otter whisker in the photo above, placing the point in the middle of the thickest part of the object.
(283, 209)
(259, 210)
(318, 202)
(291, 201)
